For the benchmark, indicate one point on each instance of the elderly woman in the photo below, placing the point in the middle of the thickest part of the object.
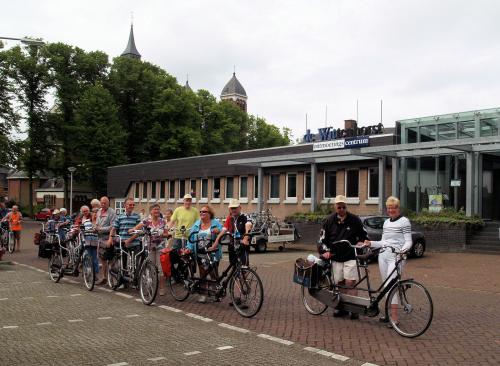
(96, 205)
(86, 220)
(208, 228)
(396, 234)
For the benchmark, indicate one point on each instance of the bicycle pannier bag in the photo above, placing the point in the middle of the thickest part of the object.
(166, 263)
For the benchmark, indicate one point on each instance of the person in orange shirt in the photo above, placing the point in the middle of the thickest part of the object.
(15, 218)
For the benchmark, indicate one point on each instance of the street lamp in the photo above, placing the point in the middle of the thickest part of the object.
(71, 170)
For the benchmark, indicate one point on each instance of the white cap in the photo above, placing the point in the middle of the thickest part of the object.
(63, 209)
(56, 212)
(340, 199)
(234, 203)
(187, 197)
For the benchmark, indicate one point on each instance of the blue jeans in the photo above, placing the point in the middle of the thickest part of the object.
(93, 253)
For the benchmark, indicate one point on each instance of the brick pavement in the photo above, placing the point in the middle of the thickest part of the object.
(465, 331)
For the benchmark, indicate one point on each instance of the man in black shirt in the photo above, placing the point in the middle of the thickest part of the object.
(343, 225)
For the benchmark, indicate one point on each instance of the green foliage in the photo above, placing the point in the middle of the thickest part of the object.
(317, 216)
(446, 216)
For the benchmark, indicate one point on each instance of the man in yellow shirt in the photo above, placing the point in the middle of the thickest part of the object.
(184, 216)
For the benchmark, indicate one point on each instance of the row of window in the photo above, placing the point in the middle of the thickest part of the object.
(176, 189)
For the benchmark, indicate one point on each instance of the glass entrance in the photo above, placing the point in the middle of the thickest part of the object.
(491, 187)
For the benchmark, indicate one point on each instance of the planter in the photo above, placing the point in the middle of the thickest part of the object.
(444, 237)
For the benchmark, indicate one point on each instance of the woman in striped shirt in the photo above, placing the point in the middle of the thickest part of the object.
(396, 234)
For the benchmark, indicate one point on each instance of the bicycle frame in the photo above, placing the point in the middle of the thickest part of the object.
(132, 257)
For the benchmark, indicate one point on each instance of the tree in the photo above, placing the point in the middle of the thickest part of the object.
(29, 72)
(8, 116)
(101, 137)
(264, 135)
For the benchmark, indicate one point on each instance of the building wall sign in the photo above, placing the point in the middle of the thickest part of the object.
(348, 143)
(330, 133)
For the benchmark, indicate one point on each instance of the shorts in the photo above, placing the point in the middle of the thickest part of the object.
(347, 270)
(17, 234)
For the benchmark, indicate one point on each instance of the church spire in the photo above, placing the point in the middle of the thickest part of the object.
(131, 50)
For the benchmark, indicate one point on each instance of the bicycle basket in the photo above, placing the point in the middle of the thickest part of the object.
(305, 273)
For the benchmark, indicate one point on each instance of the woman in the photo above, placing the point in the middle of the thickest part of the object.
(86, 219)
(167, 217)
(207, 227)
(396, 234)
(96, 205)
(154, 221)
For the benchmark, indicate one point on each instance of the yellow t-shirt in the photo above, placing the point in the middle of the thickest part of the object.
(186, 218)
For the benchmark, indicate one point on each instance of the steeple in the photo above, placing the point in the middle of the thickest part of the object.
(234, 92)
(131, 50)
(187, 86)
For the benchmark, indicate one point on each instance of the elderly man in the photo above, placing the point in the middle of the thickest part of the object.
(105, 218)
(15, 218)
(183, 216)
(343, 225)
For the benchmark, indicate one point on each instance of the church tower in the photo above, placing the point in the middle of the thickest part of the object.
(234, 92)
(131, 50)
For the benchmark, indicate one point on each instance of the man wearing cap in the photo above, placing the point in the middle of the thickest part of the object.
(64, 222)
(183, 216)
(343, 225)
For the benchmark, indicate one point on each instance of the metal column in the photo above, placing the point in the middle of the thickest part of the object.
(395, 177)
(381, 184)
(417, 188)
(260, 194)
(478, 186)
(314, 173)
(404, 183)
(455, 189)
(469, 184)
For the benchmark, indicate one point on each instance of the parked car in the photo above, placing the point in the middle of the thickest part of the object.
(374, 226)
(43, 214)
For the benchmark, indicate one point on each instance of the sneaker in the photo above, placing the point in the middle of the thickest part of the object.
(202, 299)
(339, 313)
(383, 319)
(354, 316)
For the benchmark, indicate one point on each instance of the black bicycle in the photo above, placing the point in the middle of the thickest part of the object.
(245, 287)
(135, 267)
(408, 306)
(7, 239)
(68, 255)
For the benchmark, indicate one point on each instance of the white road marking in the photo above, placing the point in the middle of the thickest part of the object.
(104, 289)
(124, 295)
(75, 320)
(10, 271)
(4, 298)
(132, 316)
(118, 364)
(46, 323)
(326, 353)
(369, 364)
(169, 308)
(192, 353)
(40, 270)
(53, 296)
(275, 339)
(36, 282)
(223, 348)
(75, 295)
(28, 298)
(157, 359)
(312, 349)
(199, 317)
(104, 318)
(138, 300)
(232, 327)
(10, 326)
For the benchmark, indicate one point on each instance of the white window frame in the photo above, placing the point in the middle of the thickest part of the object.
(171, 199)
(121, 203)
(160, 198)
(180, 199)
(215, 200)
(271, 199)
(325, 198)
(195, 189)
(241, 198)
(352, 200)
(255, 198)
(137, 191)
(306, 200)
(144, 195)
(290, 199)
(203, 198)
(151, 199)
(371, 200)
(226, 198)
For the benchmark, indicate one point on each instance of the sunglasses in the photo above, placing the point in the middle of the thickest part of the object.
(203, 211)
(341, 207)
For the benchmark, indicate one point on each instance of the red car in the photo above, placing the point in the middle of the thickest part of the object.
(43, 214)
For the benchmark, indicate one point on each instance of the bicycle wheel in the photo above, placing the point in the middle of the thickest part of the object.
(312, 305)
(12, 243)
(55, 267)
(247, 292)
(114, 273)
(409, 307)
(177, 284)
(148, 282)
(88, 271)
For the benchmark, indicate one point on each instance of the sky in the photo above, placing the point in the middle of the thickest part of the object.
(314, 57)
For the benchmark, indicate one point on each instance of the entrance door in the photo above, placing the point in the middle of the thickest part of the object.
(491, 187)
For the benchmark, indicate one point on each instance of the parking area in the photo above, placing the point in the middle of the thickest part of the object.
(465, 288)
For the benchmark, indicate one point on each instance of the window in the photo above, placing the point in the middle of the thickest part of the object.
(193, 188)
(411, 135)
(291, 185)
(466, 129)
(372, 182)
(182, 188)
(162, 190)
(49, 200)
(216, 188)
(428, 133)
(330, 184)
(256, 186)
(489, 126)
(171, 189)
(307, 185)
(145, 190)
(229, 187)
(119, 207)
(137, 187)
(352, 183)
(153, 190)
(447, 131)
(204, 188)
(274, 186)
(243, 187)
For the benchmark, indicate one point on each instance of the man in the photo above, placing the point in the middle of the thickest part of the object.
(343, 225)
(238, 224)
(63, 222)
(15, 218)
(123, 223)
(186, 216)
(105, 218)
(3, 210)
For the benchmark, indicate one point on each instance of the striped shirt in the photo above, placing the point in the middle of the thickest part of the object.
(124, 223)
(396, 234)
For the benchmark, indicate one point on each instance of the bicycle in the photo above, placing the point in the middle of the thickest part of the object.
(319, 291)
(7, 238)
(75, 252)
(140, 270)
(245, 287)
